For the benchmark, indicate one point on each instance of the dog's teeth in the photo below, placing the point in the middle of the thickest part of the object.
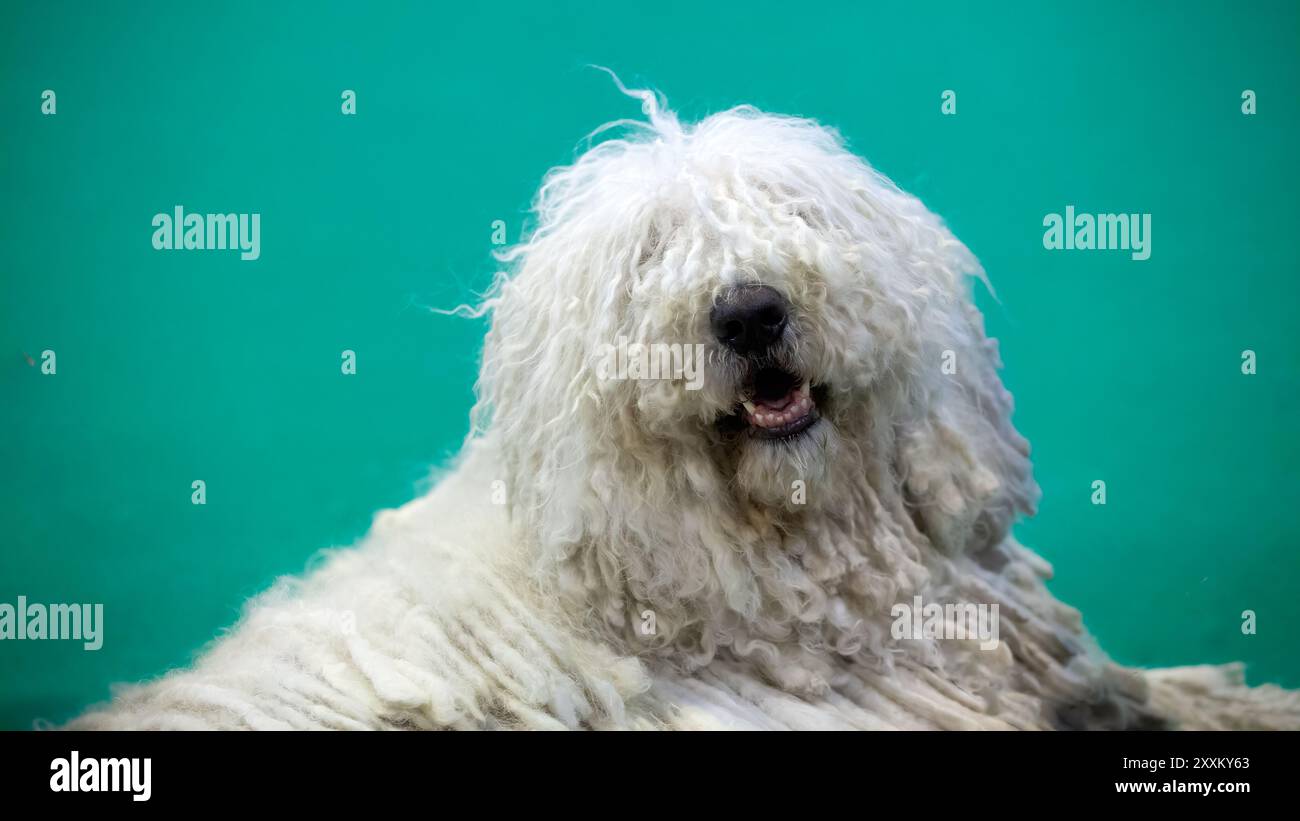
(749, 406)
(804, 388)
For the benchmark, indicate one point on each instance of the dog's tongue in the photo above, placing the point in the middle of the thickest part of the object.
(773, 413)
(779, 404)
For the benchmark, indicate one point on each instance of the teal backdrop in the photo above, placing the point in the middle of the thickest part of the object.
(174, 366)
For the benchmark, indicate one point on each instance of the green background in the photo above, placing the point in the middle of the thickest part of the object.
(175, 366)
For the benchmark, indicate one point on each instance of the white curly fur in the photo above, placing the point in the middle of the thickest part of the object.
(626, 496)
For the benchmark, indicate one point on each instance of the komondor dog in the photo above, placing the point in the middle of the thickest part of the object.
(741, 458)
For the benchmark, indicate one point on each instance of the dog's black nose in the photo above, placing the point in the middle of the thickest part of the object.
(749, 319)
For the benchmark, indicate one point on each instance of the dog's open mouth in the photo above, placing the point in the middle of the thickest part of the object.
(778, 404)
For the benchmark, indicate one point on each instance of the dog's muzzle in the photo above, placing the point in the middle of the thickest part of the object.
(775, 402)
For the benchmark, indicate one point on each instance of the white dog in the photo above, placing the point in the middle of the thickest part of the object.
(755, 553)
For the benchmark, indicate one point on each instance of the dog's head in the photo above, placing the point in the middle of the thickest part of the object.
(724, 341)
